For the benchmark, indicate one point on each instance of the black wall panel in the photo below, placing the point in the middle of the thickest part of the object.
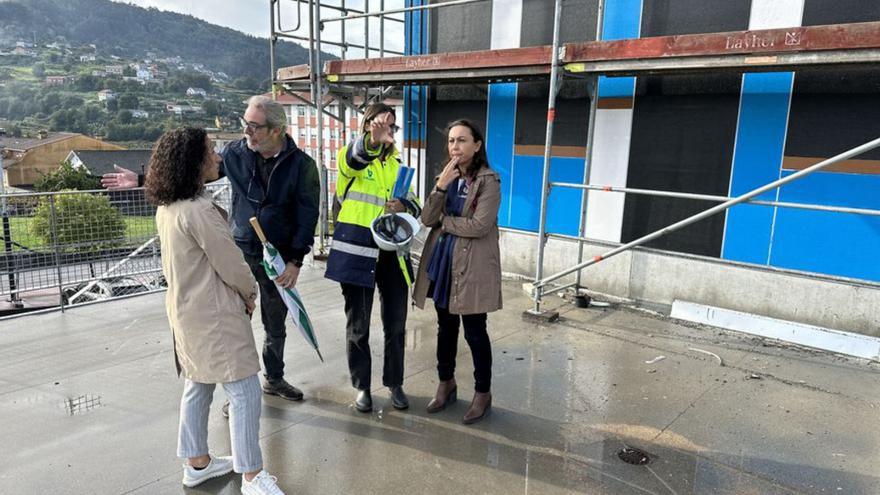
(833, 110)
(667, 17)
(572, 113)
(578, 21)
(682, 140)
(818, 12)
(684, 128)
(461, 27)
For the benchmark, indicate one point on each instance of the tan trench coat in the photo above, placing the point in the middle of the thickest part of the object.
(476, 259)
(207, 281)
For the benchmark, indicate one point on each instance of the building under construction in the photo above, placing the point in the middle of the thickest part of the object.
(660, 110)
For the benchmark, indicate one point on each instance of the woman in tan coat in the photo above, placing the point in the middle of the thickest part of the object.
(460, 267)
(210, 298)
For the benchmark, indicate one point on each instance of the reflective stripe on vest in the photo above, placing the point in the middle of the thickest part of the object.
(365, 198)
(354, 249)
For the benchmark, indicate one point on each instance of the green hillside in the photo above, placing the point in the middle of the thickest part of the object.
(57, 55)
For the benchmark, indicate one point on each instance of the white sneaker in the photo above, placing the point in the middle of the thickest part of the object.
(218, 466)
(262, 484)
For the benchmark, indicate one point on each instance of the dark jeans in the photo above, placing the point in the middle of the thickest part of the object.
(477, 338)
(358, 307)
(273, 312)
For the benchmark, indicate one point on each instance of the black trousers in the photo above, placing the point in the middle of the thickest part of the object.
(393, 305)
(273, 312)
(477, 338)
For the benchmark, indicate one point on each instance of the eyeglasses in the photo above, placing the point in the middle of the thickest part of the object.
(251, 125)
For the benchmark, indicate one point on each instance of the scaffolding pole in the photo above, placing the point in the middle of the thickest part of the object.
(591, 132)
(548, 147)
(319, 123)
(539, 284)
(717, 199)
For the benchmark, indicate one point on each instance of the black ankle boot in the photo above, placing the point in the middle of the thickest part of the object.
(364, 401)
(398, 398)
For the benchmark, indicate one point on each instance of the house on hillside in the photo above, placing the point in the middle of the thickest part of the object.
(106, 94)
(25, 52)
(86, 58)
(140, 114)
(181, 109)
(114, 69)
(26, 159)
(196, 92)
(59, 80)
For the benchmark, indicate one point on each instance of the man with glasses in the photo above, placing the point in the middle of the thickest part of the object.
(278, 183)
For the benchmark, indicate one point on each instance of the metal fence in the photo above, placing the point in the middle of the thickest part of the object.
(66, 248)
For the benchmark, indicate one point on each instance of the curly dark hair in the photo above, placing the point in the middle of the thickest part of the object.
(480, 159)
(175, 170)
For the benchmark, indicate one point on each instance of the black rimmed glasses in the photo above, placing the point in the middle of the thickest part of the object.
(251, 126)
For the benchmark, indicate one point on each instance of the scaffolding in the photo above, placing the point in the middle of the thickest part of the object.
(784, 49)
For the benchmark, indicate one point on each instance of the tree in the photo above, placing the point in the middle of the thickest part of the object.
(128, 72)
(124, 117)
(92, 113)
(212, 108)
(39, 70)
(246, 83)
(67, 177)
(88, 83)
(50, 103)
(112, 105)
(72, 102)
(128, 101)
(81, 222)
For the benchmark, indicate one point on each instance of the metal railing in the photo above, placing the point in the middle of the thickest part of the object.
(65, 248)
(541, 283)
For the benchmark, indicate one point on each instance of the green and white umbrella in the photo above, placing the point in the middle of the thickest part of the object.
(274, 266)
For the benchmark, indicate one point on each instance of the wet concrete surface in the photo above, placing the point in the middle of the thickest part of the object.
(89, 402)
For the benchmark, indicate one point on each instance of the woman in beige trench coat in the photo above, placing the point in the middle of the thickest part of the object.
(460, 268)
(210, 298)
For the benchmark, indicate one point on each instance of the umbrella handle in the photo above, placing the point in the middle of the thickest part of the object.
(256, 224)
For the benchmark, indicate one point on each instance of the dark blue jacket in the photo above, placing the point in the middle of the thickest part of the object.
(287, 211)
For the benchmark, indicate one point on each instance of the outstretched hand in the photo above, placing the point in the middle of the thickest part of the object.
(121, 178)
(380, 130)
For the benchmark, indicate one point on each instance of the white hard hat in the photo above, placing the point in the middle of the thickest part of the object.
(394, 231)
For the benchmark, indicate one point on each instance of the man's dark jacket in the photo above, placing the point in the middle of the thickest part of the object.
(287, 209)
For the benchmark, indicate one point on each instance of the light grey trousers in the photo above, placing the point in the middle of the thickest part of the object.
(245, 403)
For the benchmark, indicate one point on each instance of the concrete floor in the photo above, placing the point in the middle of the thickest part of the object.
(89, 402)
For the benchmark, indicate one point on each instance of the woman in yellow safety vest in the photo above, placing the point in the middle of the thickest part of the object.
(368, 168)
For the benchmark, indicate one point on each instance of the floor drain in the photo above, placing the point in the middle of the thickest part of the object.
(82, 404)
(630, 455)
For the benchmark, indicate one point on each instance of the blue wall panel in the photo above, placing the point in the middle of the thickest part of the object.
(564, 204)
(757, 159)
(500, 129)
(622, 19)
(831, 243)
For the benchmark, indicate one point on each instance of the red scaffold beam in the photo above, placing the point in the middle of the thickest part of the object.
(765, 49)
(761, 41)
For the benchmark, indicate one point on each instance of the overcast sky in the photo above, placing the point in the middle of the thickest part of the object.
(252, 17)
